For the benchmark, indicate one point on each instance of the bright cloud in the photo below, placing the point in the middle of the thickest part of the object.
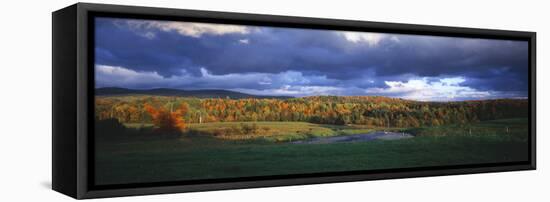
(298, 90)
(445, 89)
(372, 39)
(283, 83)
(120, 76)
(195, 30)
(244, 41)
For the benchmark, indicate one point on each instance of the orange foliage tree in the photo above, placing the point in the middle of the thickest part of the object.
(168, 121)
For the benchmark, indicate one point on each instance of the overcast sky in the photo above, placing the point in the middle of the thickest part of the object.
(144, 54)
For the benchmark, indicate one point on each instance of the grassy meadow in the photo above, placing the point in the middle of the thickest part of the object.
(202, 153)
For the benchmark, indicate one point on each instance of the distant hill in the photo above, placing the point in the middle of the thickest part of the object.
(113, 91)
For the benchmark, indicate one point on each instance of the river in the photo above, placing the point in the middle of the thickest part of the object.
(377, 135)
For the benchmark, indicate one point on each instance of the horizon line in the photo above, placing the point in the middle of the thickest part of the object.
(290, 96)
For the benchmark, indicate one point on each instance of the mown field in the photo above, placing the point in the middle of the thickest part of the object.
(270, 131)
(203, 153)
(275, 131)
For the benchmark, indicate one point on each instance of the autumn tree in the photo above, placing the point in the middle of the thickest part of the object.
(169, 113)
(165, 120)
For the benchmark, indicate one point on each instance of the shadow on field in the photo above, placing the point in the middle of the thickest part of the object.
(112, 130)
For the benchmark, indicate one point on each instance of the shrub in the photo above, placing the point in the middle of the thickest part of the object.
(167, 121)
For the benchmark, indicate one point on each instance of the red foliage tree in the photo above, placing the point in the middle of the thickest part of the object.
(165, 120)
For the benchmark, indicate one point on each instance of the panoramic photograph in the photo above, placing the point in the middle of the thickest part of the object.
(186, 101)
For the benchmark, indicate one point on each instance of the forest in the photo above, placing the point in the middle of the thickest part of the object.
(173, 113)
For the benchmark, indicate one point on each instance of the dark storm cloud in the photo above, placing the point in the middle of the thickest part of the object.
(341, 60)
(501, 65)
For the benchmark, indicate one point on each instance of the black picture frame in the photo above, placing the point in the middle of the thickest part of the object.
(73, 98)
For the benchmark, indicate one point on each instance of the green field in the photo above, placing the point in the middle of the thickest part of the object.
(271, 131)
(201, 154)
(278, 131)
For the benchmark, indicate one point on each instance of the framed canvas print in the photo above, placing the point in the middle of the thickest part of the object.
(153, 100)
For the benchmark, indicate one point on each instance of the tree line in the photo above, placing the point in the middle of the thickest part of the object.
(339, 110)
